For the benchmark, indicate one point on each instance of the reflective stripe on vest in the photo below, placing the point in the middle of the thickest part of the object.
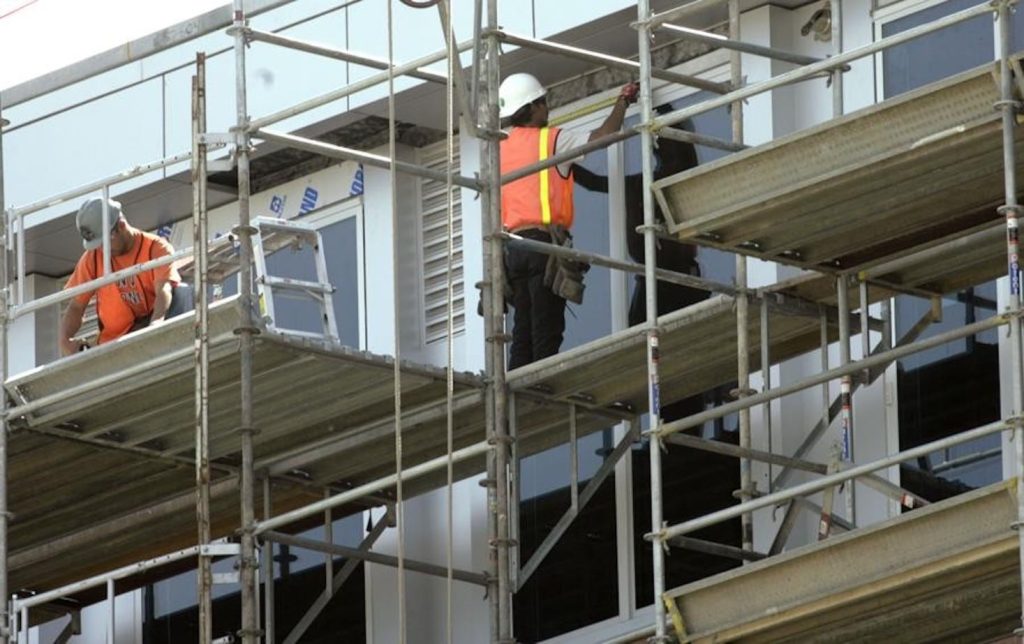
(540, 199)
(545, 187)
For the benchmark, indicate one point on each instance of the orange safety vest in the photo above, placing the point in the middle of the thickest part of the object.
(540, 199)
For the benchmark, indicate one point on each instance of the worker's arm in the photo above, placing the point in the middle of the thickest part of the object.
(70, 323)
(613, 123)
(161, 302)
(589, 180)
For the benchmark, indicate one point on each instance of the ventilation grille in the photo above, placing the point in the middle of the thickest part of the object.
(434, 222)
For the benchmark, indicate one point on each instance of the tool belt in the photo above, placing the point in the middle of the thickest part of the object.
(562, 275)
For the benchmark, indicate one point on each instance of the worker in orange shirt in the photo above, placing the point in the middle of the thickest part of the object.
(532, 206)
(131, 303)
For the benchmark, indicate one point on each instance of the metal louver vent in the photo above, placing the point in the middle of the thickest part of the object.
(434, 236)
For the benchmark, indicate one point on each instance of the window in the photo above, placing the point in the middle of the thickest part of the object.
(954, 387)
(434, 245)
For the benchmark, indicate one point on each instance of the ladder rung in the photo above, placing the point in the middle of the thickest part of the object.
(297, 285)
(285, 225)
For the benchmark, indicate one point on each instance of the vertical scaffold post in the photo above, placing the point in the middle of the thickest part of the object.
(846, 384)
(495, 281)
(653, 377)
(269, 618)
(201, 345)
(1012, 210)
(249, 633)
(846, 388)
(836, 9)
(5, 630)
(488, 121)
(742, 301)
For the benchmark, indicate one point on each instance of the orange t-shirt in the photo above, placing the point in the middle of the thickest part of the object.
(121, 303)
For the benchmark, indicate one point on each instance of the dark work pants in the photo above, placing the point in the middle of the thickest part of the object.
(182, 301)
(539, 316)
(671, 297)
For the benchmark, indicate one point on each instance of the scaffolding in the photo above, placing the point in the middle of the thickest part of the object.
(490, 422)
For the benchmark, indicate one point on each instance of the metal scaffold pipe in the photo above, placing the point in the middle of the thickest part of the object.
(816, 68)
(204, 577)
(376, 160)
(831, 480)
(1011, 210)
(746, 491)
(629, 267)
(250, 632)
(396, 320)
(499, 432)
(733, 43)
(881, 358)
(337, 54)
(653, 337)
(612, 62)
(5, 618)
(109, 180)
(678, 13)
(352, 88)
(493, 360)
(348, 496)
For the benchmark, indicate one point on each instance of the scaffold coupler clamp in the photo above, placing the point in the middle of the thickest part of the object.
(749, 492)
(243, 633)
(489, 134)
(656, 227)
(998, 4)
(502, 338)
(738, 393)
(251, 431)
(498, 542)
(503, 439)
(245, 30)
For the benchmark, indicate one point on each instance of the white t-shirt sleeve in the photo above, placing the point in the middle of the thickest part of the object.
(567, 140)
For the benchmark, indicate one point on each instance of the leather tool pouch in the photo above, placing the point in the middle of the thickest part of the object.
(562, 275)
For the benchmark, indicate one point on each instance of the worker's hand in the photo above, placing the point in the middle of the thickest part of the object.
(69, 346)
(630, 93)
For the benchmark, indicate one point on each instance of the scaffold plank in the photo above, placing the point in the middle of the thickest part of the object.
(946, 572)
(887, 181)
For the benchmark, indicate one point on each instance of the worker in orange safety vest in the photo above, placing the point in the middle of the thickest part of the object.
(532, 205)
(130, 303)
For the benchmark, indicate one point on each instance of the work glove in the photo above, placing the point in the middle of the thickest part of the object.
(630, 93)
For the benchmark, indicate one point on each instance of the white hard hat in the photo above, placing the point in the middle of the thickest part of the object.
(516, 91)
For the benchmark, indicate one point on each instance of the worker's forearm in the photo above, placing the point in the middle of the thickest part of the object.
(161, 303)
(70, 323)
(613, 123)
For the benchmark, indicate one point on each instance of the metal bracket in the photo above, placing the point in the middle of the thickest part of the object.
(221, 165)
(220, 549)
(223, 578)
(217, 138)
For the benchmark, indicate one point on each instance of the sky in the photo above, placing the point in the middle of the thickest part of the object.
(39, 36)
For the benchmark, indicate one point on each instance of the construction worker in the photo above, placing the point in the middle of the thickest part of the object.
(538, 205)
(672, 157)
(131, 303)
